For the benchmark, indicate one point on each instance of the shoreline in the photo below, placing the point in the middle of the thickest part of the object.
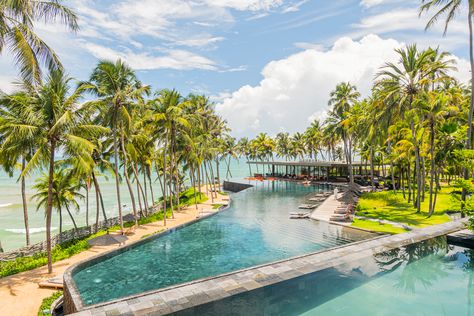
(20, 292)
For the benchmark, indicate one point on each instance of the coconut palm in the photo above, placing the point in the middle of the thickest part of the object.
(17, 21)
(116, 86)
(18, 140)
(341, 100)
(59, 126)
(65, 193)
(404, 81)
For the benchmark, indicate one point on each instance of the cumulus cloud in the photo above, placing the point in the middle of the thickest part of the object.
(296, 89)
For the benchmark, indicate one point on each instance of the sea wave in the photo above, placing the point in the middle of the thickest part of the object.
(33, 230)
(6, 204)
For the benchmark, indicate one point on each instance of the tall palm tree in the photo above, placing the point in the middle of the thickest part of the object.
(17, 21)
(341, 100)
(169, 112)
(60, 126)
(18, 140)
(116, 86)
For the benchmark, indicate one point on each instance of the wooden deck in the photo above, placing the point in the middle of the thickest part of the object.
(324, 211)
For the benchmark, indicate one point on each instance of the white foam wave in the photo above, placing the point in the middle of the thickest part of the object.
(34, 230)
(6, 204)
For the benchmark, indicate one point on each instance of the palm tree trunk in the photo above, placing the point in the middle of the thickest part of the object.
(139, 200)
(148, 170)
(72, 217)
(97, 187)
(409, 181)
(471, 108)
(139, 187)
(207, 176)
(60, 211)
(164, 186)
(49, 207)
(146, 187)
(218, 173)
(127, 178)
(417, 203)
(193, 182)
(97, 202)
(432, 171)
(24, 203)
(372, 182)
(117, 182)
(87, 204)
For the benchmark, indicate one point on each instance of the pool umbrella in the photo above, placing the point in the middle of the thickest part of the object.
(107, 240)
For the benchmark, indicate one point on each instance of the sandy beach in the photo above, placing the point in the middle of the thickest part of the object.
(20, 294)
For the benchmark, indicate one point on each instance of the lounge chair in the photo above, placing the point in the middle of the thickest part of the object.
(307, 206)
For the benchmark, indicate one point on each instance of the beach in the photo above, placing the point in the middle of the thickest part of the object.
(20, 293)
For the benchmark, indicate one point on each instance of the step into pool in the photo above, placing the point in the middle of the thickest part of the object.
(254, 230)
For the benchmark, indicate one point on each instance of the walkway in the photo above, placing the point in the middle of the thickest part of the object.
(324, 211)
(20, 294)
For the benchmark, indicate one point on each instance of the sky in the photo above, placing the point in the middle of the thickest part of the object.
(269, 65)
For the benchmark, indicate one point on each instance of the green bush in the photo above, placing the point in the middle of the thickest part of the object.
(44, 309)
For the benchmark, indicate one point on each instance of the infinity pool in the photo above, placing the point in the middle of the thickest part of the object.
(427, 278)
(256, 229)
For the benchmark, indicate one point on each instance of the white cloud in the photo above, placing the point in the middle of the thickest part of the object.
(297, 88)
(372, 3)
(244, 5)
(172, 59)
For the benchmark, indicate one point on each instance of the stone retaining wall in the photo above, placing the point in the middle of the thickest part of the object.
(235, 186)
(65, 236)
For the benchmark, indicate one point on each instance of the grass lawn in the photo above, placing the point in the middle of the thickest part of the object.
(375, 226)
(393, 207)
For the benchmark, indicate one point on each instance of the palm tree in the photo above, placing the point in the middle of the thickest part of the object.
(116, 86)
(59, 125)
(450, 9)
(66, 192)
(169, 112)
(17, 138)
(17, 21)
(404, 81)
(342, 99)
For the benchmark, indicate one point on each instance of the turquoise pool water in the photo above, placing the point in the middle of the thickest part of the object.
(256, 229)
(427, 278)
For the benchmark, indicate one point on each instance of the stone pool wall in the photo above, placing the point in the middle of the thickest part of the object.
(188, 295)
(235, 186)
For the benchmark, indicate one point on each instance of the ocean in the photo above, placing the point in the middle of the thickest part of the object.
(12, 230)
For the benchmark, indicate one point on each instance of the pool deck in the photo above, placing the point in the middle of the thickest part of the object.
(324, 211)
(189, 295)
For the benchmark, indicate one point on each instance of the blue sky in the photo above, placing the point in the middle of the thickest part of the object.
(268, 64)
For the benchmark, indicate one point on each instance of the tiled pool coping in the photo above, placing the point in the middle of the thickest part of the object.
(182, 296)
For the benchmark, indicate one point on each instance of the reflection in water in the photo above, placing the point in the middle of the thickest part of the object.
(426, 278)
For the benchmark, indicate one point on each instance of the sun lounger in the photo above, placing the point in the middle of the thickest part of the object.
(299, 215)
(307, 206)
(317, 199)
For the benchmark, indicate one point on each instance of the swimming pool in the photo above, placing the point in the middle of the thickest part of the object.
(256, 229)
(426, 278)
